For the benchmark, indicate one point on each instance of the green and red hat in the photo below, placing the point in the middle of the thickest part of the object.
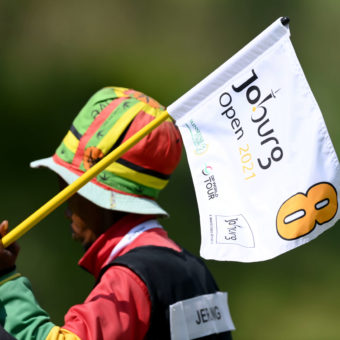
(133, 182)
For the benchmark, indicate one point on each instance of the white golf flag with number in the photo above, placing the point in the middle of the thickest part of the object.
(264, 168)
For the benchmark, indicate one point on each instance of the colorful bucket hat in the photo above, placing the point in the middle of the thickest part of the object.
(133, 182)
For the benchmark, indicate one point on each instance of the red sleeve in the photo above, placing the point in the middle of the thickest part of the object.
(119, 307)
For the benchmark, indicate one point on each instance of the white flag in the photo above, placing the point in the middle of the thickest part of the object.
(264, 168)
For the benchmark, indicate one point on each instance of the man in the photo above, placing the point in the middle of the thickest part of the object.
(147, 286)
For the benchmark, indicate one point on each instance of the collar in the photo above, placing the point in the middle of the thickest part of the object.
(96, 256)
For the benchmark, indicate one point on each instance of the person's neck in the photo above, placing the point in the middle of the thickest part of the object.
(96, 255)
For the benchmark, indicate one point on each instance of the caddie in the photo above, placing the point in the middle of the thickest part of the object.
(147, 286)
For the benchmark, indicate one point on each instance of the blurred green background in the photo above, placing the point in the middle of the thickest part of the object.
(55, 54)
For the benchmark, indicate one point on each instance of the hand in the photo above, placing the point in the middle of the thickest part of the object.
(7, 255)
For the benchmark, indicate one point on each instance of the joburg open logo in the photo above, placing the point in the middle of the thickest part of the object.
(210, 182)
(270, 148)
(197, 138)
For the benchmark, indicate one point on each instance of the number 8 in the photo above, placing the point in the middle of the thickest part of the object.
(299, 215)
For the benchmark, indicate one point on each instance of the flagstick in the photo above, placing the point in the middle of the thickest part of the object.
(285, 21)
(63, 195)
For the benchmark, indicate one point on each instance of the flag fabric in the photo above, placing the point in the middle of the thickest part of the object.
(265, 172)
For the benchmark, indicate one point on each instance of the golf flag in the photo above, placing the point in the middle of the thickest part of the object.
(265, 171)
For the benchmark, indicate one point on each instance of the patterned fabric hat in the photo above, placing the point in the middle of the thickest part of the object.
(133, 182)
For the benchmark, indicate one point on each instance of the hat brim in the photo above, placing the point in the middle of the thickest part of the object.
(102, 197)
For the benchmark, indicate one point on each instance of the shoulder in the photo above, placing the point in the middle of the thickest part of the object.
(119, 305)
(122, 281)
